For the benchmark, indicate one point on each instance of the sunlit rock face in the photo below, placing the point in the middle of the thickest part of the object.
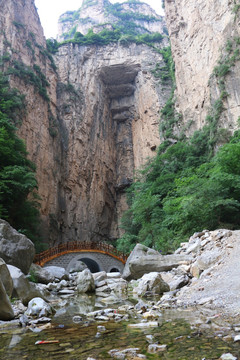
(199, 31)
(100, 14)
(112, 128)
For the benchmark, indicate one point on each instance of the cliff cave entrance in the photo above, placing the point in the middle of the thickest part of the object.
(91, 264)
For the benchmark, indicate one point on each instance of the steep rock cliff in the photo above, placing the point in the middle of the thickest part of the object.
(100, 14)
(111, 113)
(90, 121)
(23, 55)
(199, 32)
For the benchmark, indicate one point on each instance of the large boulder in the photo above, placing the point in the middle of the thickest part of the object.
(6, 311)
(41, 275)
(15, 248)
(38, 307)
(76, 266)
(6, 277)
(85, 281)
(151, 283)
(57, 272)
(145, 260)
(22, 288)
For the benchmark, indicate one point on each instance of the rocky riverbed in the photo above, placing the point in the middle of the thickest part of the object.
(179, 306)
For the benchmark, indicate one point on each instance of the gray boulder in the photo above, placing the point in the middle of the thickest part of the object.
(57, 272)
(85, 281)
(145, 260)
(6, 277)
(6, 310)
(42, 275)
(153, 283)
(76, 266)
(22, 288)
(15, 248)
(38, 307)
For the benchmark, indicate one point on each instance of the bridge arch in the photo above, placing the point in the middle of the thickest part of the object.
(97, 256)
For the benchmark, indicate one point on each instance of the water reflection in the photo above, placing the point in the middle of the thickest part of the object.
(79, 341)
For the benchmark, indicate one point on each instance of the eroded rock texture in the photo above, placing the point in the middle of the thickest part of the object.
(89, 128)
(199, 31)
(100, 14)
(22, 46)
(111, 116)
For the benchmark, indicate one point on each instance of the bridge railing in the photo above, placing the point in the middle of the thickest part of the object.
(74, 246)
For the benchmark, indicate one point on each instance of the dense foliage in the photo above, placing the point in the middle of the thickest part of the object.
(188, 185)
(182, 191)
(105, 37)
(128, 27)
(18, 203)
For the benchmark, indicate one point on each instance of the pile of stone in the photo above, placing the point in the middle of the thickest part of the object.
(207, 250)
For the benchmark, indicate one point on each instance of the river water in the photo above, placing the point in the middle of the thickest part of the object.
(184, 340)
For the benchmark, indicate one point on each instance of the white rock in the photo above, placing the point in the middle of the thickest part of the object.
(148, 324)
(22, 288)
(57, 272)
(151, 282)
(85, 281)
(155, 348)
(39, 307)
(228, 356)
(236, 338)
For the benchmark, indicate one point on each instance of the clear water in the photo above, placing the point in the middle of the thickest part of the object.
(80, 342)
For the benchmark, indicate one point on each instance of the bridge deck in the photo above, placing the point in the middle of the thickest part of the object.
(79, 246)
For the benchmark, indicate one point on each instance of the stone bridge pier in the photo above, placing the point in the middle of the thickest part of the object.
(95, 261)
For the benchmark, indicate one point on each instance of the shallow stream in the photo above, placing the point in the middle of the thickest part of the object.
(79, 341)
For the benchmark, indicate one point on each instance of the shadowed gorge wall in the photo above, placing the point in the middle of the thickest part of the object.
(23, 55)
(91, 119)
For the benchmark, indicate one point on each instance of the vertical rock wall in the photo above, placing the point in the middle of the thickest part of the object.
(22, 42)
(199, 31)
(88, 130)
(111, 129)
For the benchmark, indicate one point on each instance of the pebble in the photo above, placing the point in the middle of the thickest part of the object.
(228, 356)
(101, 328)
(155, 348)
(150, 339)
(144, 324)
(77, 319)
(236, 338)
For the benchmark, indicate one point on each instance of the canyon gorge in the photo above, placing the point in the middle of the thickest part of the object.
(94, 121)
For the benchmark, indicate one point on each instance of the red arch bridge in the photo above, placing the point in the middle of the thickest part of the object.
(97, 256)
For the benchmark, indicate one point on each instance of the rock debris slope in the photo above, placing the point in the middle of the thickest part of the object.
(213, 272)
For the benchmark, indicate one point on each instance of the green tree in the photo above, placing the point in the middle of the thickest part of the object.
(18, 199)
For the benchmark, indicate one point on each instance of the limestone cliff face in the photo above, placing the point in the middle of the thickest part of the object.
(23, 55)
(100, 14)
(90, 122)
(199, 31)
(111, 118)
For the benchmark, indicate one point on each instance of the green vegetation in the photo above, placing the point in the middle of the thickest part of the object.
(18, 198)
(106, 37)
(182, 191)
(117, 10)
(33, 76)
(187, 186)
(19, 25)
(125, 26)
